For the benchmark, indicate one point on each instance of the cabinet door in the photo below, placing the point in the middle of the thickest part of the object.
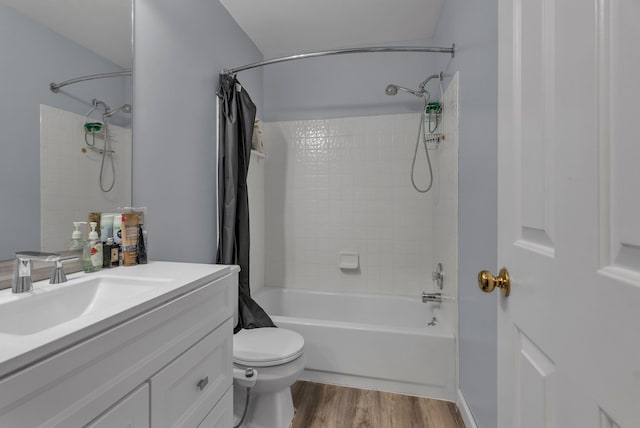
(130, 412)
(222, 415)
(184, 392)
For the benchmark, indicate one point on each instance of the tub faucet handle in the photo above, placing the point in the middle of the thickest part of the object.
(438, 276)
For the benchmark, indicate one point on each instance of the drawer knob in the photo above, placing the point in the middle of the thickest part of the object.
(202, 383)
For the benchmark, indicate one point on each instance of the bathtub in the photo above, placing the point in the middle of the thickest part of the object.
(368, 341)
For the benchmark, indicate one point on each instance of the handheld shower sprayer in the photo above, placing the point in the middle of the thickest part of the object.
(421, 92)
(92, 128)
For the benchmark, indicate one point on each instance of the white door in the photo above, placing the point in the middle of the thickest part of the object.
(569, 213)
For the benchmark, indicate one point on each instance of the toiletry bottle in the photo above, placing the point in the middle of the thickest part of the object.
(117, 228)
(141, 256)
(94, 217)
(106, 253)
(129, 239)
(106, 226)
(115, 255)
(76, 243)
(92, 254)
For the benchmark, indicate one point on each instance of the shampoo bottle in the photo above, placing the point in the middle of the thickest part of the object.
(117, 228)
(76, 242)
(107, 249)
(92, 254)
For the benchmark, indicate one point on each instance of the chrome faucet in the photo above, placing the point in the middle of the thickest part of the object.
(22, 270)
(435, 297)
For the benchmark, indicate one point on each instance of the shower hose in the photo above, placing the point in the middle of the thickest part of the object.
(421, 132)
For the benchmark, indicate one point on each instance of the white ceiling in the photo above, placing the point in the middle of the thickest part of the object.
(103, 26)
(295, 26)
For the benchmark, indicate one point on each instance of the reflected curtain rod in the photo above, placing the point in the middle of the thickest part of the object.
(55, 87)
(451, 50)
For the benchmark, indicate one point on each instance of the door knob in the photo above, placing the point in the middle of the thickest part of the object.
(488, 282)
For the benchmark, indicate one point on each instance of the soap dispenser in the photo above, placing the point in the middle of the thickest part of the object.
(92, 254)
(76, 242)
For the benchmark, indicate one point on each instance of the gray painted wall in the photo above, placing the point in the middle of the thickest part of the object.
(474, 28)
(346, 85)
(180, 47)
(32, 57)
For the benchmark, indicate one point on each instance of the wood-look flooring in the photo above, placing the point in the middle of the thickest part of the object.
(330, 406)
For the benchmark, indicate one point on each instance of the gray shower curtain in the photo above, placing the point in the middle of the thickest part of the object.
(237, 115)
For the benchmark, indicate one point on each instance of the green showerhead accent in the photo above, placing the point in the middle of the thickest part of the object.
(432, 110)
(433, 107)
(93, 127)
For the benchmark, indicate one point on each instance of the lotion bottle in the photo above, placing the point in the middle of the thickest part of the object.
(76, 242)
(92, 254)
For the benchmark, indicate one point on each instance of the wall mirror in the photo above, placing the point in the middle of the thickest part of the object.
(42, 42)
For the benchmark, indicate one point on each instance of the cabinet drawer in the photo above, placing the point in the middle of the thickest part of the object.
(131, 412)
(184, 392)
(222, 415)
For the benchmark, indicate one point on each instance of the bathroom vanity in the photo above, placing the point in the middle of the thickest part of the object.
(143, 346)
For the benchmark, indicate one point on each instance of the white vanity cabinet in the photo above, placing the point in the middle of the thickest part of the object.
(131, 412)
(170, 366)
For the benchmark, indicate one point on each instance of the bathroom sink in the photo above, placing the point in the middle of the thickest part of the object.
(61, 303)
(53, 317)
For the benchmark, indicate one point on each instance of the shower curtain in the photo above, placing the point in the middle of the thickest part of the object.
(237, 115)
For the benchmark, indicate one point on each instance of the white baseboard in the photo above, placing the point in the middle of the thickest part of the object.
(467, 417)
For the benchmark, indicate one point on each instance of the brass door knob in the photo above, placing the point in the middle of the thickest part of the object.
(488, 282)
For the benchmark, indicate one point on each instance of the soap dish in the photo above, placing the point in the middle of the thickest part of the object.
(348, 260)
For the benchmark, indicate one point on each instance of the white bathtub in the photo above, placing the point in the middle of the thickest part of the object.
(368, 341)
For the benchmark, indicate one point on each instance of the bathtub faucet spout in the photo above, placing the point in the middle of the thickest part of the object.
(434, 297)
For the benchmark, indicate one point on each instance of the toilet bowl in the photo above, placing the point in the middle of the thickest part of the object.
(277, 356)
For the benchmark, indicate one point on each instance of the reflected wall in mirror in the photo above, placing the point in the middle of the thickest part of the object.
(43, 42)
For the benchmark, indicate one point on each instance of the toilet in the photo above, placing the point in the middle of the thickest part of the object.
(277, 357)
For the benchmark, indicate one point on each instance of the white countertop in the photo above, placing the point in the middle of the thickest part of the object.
(170, 280)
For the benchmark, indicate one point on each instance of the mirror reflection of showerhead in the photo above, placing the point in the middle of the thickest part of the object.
(391, 90)
(125, 108)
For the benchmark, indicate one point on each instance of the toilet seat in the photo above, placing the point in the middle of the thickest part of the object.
(263, 347)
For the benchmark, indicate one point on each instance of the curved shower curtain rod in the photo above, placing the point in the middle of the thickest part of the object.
(55, 87)
(451, 50)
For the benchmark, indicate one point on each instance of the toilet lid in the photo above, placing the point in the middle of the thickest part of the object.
(268, 346)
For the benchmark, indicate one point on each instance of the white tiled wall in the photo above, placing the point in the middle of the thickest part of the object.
(445, 214)
(257, 225)
(344, 184)
(69, 178)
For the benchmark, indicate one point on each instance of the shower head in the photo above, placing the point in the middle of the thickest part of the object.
(420, 93)
(393, 90)
(125, 108)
